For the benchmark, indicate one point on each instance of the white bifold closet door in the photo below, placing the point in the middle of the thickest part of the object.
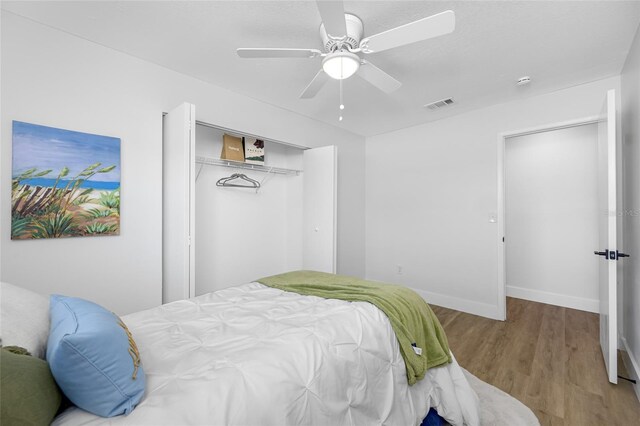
(178, 204)
(320, 209)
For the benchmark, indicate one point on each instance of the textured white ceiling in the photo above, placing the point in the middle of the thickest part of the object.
(558, 43)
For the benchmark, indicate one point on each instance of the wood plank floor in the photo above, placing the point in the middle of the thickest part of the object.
(546, 356)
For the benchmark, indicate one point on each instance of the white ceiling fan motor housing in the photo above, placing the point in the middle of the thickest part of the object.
(352, 38)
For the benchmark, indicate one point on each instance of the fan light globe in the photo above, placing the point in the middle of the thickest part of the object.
(341, 65)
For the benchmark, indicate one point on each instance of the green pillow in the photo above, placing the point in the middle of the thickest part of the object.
(30, 395)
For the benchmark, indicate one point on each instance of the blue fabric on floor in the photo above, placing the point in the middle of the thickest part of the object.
(433, 419)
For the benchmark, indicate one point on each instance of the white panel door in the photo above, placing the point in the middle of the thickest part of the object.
(178, 204)
(319, 205)
(607, 230)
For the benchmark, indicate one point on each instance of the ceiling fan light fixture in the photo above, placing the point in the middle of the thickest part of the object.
(341, 65)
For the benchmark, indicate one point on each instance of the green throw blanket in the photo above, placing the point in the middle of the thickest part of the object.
(412, 319)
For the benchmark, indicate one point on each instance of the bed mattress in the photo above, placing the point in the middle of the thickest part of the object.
(254, 355)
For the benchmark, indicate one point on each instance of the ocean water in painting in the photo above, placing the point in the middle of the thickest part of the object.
(95, 184)
(64, 183)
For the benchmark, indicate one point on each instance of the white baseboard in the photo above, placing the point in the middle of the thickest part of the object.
(632, 364)
(580, 303)
(464, 305)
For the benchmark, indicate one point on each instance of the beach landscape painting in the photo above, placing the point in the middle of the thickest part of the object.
(63, 183)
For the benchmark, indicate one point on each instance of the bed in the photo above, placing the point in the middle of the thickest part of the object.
(257, 355)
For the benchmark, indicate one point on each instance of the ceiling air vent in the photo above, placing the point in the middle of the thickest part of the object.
(439, 104)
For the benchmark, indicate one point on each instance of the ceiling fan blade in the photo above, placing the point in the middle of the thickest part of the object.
(316, 84)
(378, 78)
(332, 14)
(423, 29)
(267, 52)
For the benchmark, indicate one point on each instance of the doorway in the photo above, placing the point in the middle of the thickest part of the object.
(504, 141)
(551, 216)
(607, 206)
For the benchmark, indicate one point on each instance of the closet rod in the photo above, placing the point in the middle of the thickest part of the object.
(225, 129)
(246, 166)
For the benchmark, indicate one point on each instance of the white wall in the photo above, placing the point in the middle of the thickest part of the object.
(551, 214)
(631, 211)
(241, 234)
(56, 79)
(431, 189)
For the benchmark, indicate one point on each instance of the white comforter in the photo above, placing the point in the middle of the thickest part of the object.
(253, 355)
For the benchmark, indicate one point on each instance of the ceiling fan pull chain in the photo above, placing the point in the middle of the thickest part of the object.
(341, 103)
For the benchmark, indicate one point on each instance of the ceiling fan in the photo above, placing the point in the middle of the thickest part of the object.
(341, 35)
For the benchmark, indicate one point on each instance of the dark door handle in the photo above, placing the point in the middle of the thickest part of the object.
(602, 253)
(622, 254)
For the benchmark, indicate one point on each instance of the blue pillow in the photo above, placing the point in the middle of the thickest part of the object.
(93, 357)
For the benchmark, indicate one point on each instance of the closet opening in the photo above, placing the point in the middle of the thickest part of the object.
(244, 233)
(230, 221)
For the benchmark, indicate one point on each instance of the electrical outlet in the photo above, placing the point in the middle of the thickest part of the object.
(399, 269)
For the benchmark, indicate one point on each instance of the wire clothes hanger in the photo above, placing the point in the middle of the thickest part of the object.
(238, 177)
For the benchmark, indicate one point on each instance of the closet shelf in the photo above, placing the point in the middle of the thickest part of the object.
(238, 165)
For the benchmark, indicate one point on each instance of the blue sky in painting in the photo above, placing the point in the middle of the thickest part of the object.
(46, 148)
